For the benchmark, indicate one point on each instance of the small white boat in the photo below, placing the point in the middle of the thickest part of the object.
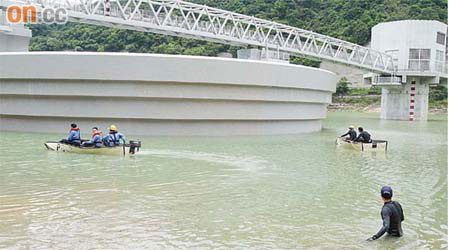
(374, 146)
(125, 149)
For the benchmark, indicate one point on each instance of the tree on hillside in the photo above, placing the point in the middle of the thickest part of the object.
(342, 87)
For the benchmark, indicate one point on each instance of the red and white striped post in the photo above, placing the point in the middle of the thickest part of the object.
(411, 101)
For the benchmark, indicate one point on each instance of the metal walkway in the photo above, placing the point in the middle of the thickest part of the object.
(185, 19)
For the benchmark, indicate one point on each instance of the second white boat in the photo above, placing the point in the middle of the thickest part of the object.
(374, 146)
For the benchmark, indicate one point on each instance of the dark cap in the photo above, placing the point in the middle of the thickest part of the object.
(73, 125)
(386, 192)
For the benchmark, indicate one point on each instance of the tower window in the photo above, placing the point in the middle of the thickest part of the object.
(440, 61)
(440, 38)
(419, 59)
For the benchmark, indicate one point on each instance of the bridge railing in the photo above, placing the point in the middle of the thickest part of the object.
(387, 80)
(185, 19)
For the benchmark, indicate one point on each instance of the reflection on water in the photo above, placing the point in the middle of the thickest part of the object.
(272, 192)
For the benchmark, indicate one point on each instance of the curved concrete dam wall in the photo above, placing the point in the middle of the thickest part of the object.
(148, 94)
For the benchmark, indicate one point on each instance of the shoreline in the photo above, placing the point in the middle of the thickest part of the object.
(372, 104)
(339, 107)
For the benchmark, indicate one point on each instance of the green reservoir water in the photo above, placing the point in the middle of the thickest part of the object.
(258, 192)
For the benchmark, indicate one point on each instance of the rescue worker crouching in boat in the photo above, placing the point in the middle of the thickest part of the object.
(74, 136)
(96, 139)
(351, 134)
(363, 136)
(114, 137)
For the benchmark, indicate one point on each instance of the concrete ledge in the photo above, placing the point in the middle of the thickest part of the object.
(161, 127)
(166, 90)
(162, 68)
(182, 109)
(160, 94)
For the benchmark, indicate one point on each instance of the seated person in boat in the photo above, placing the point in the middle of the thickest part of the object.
(74, 136)
(351, 134)
(96, 139)
(363, 136)
(114, 137)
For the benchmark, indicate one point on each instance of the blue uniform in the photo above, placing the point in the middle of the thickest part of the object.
(74, 136)
(96, 141)
(113, 139)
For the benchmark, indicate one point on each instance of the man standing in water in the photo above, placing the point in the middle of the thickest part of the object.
(392, 215)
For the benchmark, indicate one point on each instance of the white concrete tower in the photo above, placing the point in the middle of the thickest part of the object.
(13, 37)
(419, 49)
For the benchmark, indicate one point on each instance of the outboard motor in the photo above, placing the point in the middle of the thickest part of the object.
(134, 147)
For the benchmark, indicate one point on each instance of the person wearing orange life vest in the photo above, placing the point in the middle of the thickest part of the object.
(96, 139)
(74, 136)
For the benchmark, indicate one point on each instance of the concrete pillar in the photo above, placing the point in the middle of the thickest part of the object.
(406, 102)
(13, 37)
(225, 55)
(250, 54)
(263, 55)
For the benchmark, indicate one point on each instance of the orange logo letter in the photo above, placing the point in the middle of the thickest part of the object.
(11, 10)
(31, 9)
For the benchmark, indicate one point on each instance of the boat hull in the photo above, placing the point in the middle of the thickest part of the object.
(374, 146)
(66, 148)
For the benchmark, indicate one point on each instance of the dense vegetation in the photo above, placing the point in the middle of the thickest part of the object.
(346, 19)
(343, 89)
(438, 97)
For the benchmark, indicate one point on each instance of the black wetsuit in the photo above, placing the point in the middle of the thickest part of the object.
(364, 137)
(351, 133)
(392, 216)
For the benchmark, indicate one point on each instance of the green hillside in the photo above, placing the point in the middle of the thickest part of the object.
(350, 20)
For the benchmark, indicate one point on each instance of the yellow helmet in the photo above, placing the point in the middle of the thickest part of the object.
(352, 127)
(113, 128)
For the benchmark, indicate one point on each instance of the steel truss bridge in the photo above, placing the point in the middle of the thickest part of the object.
(189, 20)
